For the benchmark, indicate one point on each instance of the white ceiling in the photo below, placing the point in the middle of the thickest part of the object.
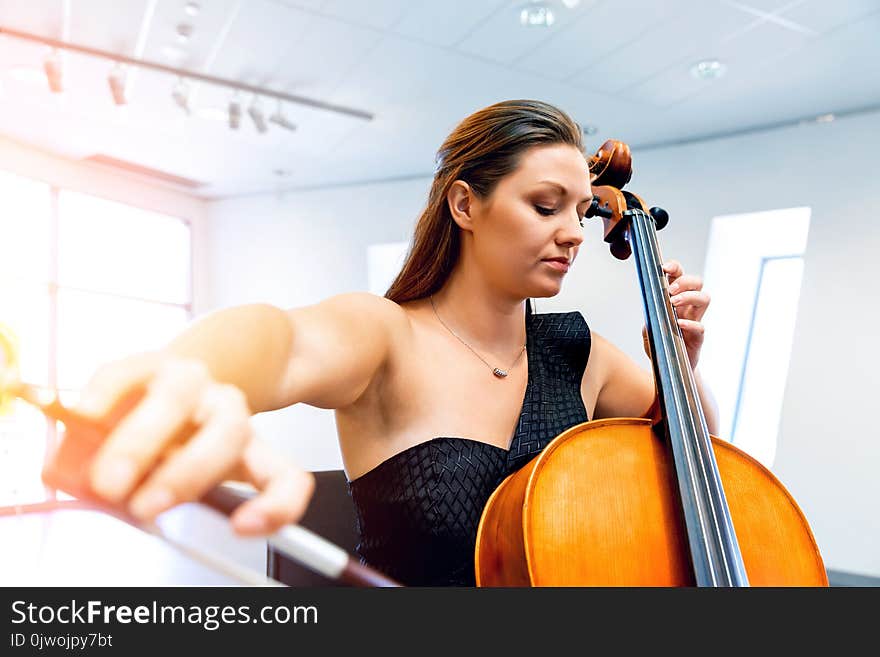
(420, 66)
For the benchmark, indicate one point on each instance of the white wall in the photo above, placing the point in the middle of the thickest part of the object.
(300, 248)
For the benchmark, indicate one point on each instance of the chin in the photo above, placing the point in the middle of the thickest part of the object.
(548, 289)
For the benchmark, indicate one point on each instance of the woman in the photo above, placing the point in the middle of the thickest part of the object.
(440, 389)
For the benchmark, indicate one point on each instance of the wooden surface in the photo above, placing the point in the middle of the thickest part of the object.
(616, 521)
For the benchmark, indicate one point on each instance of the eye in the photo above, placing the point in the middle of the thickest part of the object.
(540, 209)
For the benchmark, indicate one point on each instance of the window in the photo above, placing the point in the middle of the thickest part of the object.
(83, 281)
(754, 267)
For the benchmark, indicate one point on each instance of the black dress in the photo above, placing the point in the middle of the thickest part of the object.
(418, 511)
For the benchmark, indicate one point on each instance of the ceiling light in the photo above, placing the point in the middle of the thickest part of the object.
(536, 14)
(825, 118)
(54, 72)
(708, 69)
(279, 119)
(116, 80)
(184, 32)
(180, 94)
(571, 4)
(234, 112)
(589, 129)
(192, 8)
(257, 116)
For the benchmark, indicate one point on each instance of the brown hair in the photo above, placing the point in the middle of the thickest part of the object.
(482, 149)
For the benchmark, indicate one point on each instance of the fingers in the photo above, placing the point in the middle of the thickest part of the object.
(691, 327)
(673, 269)
(183, 434)
(286, 491)
(140, 437)
(209, 454)
(113, 380)
(691, 304)
(686, 282)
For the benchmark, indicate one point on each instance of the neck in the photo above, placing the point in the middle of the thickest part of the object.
(487, 319)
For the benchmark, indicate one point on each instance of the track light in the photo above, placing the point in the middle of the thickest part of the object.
(116, 80)
(180, 94)
(54, 71)
(234, 112)
(257, 116)
(279, 119)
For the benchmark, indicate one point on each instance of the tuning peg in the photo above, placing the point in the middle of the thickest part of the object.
(621, 249)
(661, 217)
(596, 210)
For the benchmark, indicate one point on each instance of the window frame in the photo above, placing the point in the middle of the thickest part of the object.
(53, 288)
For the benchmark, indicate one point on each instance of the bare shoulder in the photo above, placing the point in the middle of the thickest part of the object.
(339, 346)
(373, 311)
(624, 388)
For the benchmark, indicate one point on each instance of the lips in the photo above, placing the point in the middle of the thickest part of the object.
(559, 264)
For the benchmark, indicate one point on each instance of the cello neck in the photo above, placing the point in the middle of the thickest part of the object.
(714, 549)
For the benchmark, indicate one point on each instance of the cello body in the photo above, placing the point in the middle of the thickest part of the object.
(599, 507)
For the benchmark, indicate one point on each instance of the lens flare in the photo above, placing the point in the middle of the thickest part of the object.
(8, 367)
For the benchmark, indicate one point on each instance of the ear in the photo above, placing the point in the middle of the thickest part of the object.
(460, 199)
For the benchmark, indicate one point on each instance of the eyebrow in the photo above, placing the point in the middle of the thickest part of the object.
(563, 189)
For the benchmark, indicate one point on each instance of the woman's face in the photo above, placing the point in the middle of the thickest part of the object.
(533, 216)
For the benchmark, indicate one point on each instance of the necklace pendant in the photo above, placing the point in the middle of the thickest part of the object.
(499, 372)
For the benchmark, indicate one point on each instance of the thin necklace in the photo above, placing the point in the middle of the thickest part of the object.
(497, 371)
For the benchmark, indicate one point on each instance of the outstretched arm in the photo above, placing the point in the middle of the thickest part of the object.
(190, 429)
(324, 355)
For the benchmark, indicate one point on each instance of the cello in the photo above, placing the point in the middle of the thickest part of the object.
(651, 501)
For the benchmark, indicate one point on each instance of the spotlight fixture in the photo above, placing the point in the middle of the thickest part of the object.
(54, 72)
(536, 14)
(116, 80)
(256, 115)
(279, 119)
(180, 94)
(234, 112)
(708, 69)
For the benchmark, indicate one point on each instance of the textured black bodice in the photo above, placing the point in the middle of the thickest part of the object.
(418, 511)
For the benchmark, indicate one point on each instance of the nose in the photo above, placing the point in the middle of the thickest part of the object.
(570, 232)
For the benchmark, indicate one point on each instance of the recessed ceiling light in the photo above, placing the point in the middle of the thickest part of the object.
(536, 14)
(708, 69)
(825, 118)
(184, 32)
(192, 8)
